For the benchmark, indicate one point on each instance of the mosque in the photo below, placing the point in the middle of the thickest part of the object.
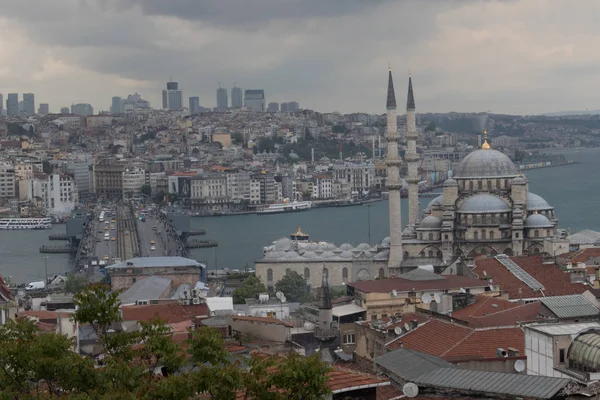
(485, 208)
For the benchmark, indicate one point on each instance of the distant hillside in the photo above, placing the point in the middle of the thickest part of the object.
(568, 113)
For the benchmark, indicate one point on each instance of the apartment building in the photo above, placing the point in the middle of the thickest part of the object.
(360, 176)
(238, 186)
(108, 179)
(7, 182)
(159, 182)
(210, 189)
(53, 194)
(81, 175)
(133, 180)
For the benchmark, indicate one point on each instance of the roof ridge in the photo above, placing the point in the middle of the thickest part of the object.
(459, 342)
(505, 310)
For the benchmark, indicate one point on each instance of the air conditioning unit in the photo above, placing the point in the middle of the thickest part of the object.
(196, 300)
(186, 302)
(186, 294)
(194, 293)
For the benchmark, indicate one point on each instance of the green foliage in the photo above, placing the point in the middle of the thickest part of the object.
(249, 289)
(293, 285)
(146, 190)
(339, 129)
(41, 365)
(16, 129)
(159, 198)
(75, 283)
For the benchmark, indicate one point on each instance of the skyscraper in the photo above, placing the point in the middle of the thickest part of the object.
(237, 98)
(64, 110)
(254, 100)
(12, 104)
(273, 107)
(82, 109)
(172, 98)
(222, 99)
(194, 105)
(44, 109)
(393, 181)
(1, 105)
(28, 103)
(116, 105)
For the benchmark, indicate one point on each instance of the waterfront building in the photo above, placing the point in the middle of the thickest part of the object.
(237, 98)
(222, 101)
(12, 104)
(238, 186)
(208, 189)
(360, 176)
(158, 183)
(54, 194)
(7, 182)
(254, 100)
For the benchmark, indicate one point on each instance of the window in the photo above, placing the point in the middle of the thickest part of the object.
(373, 317)
(446, 237)
(561, 356)
(430, 236)
(345, 273)
(430, 253)
(349, 339)
(476, 235)
(381, 273)
(483, 233)
(471, 185)
(269, 274)
(536, 233)
(479, 185)
(306, 273)
(405, 254)
(491, 234)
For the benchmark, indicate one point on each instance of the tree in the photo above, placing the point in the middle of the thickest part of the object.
(47, 168)
(159, 198)
(146, 190)
(250, 288)
(75, 283)
(293, 285)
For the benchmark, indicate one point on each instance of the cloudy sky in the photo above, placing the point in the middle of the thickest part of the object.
(512, 56)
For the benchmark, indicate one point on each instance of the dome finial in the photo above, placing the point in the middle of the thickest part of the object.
(485, 145)
(389, 65)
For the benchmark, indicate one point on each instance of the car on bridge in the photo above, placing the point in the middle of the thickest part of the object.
(113, 238)
(152, 248)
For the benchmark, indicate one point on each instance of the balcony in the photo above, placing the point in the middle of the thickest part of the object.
(326, 334)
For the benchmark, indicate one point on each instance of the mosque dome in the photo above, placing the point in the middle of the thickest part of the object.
(363, 247)
(327, 254)
(283, 244)
(386, 242)
(328, 246)
(519, 180)
(437, 202)
(583, 353)
(536, 202)
(271, 255)
(309, 254)
(537, 221)
(450, 182)
(484, 203)
(346, 246)
(430, 222)
(346, 254)
(291, 255)
(382, 255)
(485, 163)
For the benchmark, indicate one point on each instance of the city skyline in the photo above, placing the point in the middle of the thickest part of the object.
(331, 58)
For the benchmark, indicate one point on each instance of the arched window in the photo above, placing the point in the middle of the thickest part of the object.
(471, 185)
(381, 273)
(479, 185)
(446, 236)
(476, 235)
(548, 232)
(536, 250)
(483, 233)
(498, 184)
(439, 254)
(422, 254)
(344, 273)
(306, 273)
(287, 271)
(489, 185)
(405, 254)
(269, 274)
(491, 234)
(536, 233)
(430, 236)
(430, 254)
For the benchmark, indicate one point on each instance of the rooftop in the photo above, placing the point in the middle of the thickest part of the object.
(263, 320)
(570, 306)
(171, 313)
(563, 329)
(408, 364)
(150, 288)
(446, 282)
(157, 262)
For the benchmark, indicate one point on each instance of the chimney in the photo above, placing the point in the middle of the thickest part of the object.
(512, 352)
(414, 323)
(500, 352)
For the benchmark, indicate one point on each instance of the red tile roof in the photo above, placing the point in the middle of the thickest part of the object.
(555, 281)
(454, 342)
(406, 285)
(43, 315)
(388, 392)
(581, 255)
(170, 313)
(510, 317)
(484, 305)
(407, 318)
(264, 320)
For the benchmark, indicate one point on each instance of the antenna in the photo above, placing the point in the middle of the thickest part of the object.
(395, 293)
(437, 298)
(406, 326)
(410, 390)
(398, 331)
(426, 298)
(519, 365)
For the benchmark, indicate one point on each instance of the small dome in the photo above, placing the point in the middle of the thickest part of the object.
(382, 255)
(537, 221)
(450, 182)
(386, 241)
(284, 244)
(347, 246)
(485, 163)
(484, 203)
(310, 254)
(328, 246)
(519, 180)
(438, 201)
(291, 254)
(363, 247)
(535, 202)
(583, 351)
(272, 255)
(346, 254)
(327, 254)
(430, 222)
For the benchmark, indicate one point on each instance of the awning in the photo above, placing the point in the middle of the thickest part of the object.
(347, 309)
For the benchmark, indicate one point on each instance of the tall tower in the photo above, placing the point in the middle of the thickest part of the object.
(412, 158)
(393, 183)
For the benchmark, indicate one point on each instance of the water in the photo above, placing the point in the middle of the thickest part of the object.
(572, 190)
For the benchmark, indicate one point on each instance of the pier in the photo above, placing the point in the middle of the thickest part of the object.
(196, 232)
(58, 236)
(58, 249)
(199, 244)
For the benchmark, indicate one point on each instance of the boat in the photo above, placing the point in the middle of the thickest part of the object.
(25, 223)
(286, 207)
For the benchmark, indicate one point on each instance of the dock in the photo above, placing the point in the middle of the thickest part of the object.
(199, 244)
(196, 232)
(58, 236)
(58, 249)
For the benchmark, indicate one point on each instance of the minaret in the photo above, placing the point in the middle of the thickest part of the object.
(412, 158)
(393, 182)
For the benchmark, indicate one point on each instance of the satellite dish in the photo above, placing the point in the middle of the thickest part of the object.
(492, 288)
(279, 295)
(519, 365)
(410, 390)
(463, 290)
(395, 293)
(484, 273)
(491, 281)
(406, 326)
(437, 298)
(398, 331)
(426, 298)
(283, 299)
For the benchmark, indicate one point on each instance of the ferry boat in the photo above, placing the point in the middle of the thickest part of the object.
(25, 223)
(286, 207)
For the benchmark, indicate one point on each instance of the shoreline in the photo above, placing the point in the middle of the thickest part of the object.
(551, 166)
